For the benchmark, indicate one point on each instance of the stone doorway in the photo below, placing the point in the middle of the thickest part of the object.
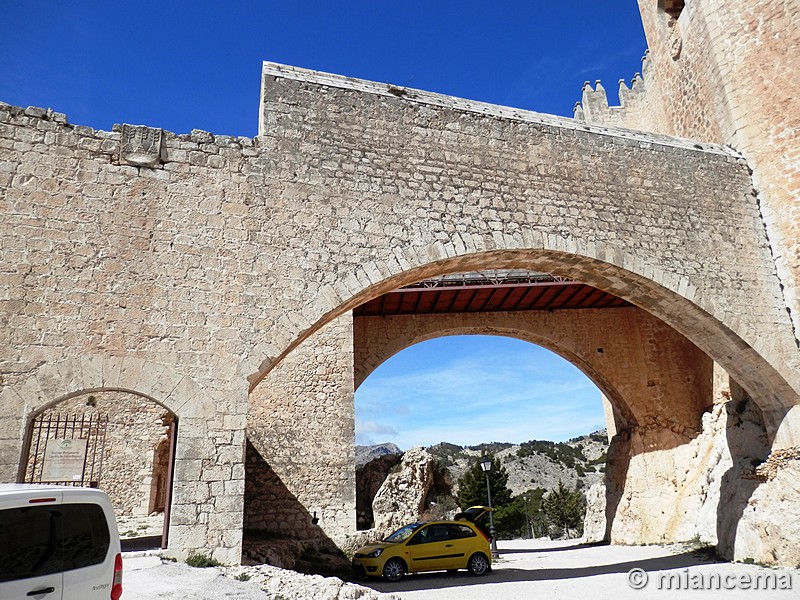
(127, 444)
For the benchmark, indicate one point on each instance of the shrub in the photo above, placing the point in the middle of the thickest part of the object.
(202, 561)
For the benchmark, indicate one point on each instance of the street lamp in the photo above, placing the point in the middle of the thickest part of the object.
(486, 465)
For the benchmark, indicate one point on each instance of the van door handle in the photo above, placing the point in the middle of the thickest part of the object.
(449, 546)
(49, 590)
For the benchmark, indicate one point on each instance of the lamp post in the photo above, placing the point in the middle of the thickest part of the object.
(486, 465)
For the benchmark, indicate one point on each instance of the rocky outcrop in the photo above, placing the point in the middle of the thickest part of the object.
(715, 488)
(401, 499)
(675, 487)
(369, 479)
(594, 524)
(770, 525)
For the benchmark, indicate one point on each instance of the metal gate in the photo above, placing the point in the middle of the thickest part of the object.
(66, 449)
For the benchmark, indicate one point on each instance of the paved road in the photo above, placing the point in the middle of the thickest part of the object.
(543, 569)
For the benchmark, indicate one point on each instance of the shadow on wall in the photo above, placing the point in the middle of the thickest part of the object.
(619, 458)
(748, 445)
(278, 530)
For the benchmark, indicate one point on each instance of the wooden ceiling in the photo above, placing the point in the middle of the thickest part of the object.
(489, 292)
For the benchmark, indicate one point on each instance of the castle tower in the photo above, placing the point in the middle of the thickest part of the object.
(726, 72)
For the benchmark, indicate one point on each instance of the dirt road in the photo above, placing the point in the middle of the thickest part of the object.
(527, 569)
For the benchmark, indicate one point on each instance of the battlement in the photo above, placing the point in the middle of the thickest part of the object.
(594, 106)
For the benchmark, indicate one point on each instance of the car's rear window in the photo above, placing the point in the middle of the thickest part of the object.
(39, 540)
(458, 532)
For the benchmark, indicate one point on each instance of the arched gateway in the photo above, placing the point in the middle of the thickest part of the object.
(219, 269)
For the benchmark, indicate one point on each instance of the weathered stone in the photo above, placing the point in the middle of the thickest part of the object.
(401, 498)
(369, 479)
(141, 146)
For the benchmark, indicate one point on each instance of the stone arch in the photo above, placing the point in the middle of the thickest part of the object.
(133, 426)
(756, 363)
(55, 382)
(596, 376)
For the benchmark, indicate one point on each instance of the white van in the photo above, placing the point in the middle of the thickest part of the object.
(58, 543)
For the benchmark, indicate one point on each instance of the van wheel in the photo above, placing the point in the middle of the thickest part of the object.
(394, 569)
(478, 564)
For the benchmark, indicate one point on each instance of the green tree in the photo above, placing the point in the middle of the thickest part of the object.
(472, 486)
(522, 517)
(565, 508)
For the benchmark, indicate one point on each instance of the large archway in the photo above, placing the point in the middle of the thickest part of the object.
(459, 394)
(669, 383)
(759, 370)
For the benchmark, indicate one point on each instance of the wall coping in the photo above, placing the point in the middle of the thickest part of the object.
(416, 96)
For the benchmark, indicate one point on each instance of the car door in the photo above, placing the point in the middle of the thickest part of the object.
(462, 545)
(31, 556)
(430, 549)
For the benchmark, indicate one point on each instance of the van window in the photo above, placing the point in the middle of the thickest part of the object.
(39, 540)
(86, 537)
(28, 542)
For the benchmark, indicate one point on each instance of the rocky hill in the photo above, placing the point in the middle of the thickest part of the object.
(365, 454)
(579, 462)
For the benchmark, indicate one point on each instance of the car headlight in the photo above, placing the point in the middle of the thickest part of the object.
(375, 553)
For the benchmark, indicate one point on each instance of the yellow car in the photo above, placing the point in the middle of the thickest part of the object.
(431, 546)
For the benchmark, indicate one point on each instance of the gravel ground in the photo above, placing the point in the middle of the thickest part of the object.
(527, 569)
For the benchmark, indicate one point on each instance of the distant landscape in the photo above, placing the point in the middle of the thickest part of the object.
(579, 462)
(534, 470)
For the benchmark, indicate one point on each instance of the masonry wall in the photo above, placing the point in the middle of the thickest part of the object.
(186, 267)
(301, 441)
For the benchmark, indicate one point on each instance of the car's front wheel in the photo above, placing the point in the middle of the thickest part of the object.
(478, 564)
(394, 569)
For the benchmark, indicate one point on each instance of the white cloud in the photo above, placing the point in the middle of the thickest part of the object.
(365, 430)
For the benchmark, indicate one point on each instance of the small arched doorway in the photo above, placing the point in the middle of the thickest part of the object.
(116, 440)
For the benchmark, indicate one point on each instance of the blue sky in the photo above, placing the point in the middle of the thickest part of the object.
(183, 65)
(472, 389)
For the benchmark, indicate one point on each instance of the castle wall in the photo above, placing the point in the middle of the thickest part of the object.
(301, 441)
(726, 74)
(189, 266)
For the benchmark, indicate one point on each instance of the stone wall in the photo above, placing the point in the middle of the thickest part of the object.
(184, 268)
(301, 441)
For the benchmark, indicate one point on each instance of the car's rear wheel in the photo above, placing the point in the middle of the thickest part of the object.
(478, 564)
(394, 569)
